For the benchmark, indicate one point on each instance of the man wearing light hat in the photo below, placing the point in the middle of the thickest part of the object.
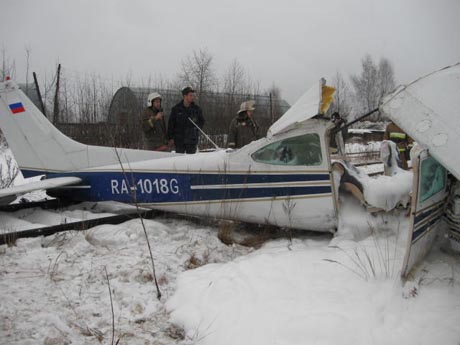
(154, 125)
(243, 128)
(182, 126)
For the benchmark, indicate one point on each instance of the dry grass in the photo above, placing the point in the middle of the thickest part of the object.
(225, 232)
(231, 233)
(53, 267)
(163, 280)
(375, 262)
(194, 262)
(9, 238)
(175, 332)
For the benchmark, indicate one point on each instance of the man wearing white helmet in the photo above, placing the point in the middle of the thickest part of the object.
(154, 125)
(243, 128)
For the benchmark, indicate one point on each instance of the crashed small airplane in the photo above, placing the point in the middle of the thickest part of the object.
(287, 179)
(291, 166)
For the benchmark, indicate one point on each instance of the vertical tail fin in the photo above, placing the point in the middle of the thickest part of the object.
(39, 147)
(36, 144)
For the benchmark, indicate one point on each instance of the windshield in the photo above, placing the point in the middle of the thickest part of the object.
(300, 150)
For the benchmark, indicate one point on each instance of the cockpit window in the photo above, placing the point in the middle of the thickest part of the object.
(432, 178)
(301, 150)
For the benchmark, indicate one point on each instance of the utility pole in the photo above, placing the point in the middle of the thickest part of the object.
(39, 94)
(27, 69)
(272, 115)
(56, 97)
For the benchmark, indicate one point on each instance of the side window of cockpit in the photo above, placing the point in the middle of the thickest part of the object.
(432, 178)
(301, 150)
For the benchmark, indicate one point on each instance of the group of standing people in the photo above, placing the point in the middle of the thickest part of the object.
(182, 132)
(186, 121)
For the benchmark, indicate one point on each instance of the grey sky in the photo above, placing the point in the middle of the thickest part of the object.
(292, 43)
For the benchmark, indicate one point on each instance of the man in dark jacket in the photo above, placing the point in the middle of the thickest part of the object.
(182, 132)
(154, 125)
(243, 128)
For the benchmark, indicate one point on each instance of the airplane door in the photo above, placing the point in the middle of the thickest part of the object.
(429, 194)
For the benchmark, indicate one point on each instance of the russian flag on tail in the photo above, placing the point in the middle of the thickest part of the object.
(17, 108)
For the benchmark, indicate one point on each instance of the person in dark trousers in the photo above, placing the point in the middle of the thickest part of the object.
(243, 128)
(338, 136)
(182, 133)
(403, 142)
(154, 125)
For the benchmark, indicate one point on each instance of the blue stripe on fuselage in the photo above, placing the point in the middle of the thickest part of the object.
(422, 217)
(214, 179)
(421, 231)
(248, 192)
(158, 187)
(31, 173)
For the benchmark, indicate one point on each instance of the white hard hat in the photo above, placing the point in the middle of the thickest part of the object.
(151, 97)
(248, 105)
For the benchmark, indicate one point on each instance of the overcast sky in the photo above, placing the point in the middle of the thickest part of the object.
(291, 43)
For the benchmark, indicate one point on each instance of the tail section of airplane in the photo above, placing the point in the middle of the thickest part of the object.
(39, 147)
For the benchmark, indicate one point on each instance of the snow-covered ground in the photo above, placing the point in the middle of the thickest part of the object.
(321, 291)
(36, 217)
(54, 289)
(318, 289)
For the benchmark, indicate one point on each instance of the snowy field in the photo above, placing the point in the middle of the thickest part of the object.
(344, 290)
(58, 293)
(318, 289)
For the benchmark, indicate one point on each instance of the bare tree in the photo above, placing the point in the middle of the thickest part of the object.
(386, 77)
(254, 87)
(27, 68)
(234, 79)
(341, 103)
(66, 112)
(84, 99)
(234, 86)
(197, 71)
(8, 171)
(373, 84)
(274, 94)
(8, 66)
(366, 85)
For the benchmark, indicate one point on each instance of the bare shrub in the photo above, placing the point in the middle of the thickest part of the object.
(368, 264)
(8, 172)
(225, 232)
(194, 262)
(175, 332)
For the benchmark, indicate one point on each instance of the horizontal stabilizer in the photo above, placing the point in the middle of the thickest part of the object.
(9, 194)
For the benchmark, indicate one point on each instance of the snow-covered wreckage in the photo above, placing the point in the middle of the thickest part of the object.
(287, 179)
(428, 110)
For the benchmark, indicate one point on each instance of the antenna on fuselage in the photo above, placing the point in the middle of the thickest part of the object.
(206, 136)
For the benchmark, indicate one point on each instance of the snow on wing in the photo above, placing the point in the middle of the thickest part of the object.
(428, 109)
(9, 194)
